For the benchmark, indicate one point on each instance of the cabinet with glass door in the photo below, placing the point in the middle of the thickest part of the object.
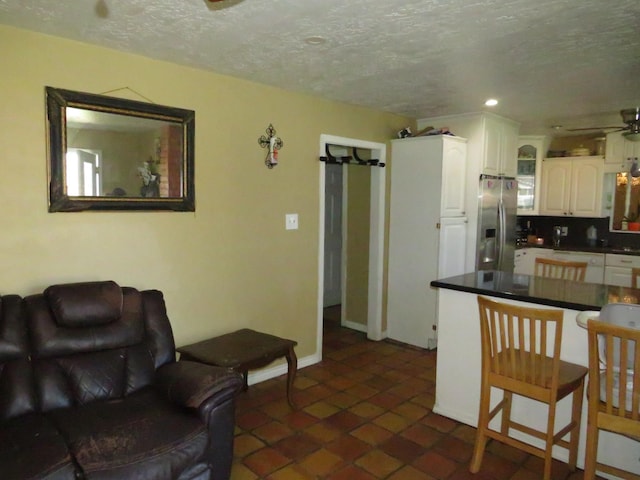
(531, 149)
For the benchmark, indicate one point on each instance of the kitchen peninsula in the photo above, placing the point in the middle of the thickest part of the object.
(459, 358)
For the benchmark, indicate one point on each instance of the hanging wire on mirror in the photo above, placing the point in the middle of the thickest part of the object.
(108, 92)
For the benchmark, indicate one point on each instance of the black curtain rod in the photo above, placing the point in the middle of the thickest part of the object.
(348, 159)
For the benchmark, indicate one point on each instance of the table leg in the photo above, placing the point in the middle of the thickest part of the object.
(245, 376)
(292, 363)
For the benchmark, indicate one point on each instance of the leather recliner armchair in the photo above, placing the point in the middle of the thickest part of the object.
(90, 388)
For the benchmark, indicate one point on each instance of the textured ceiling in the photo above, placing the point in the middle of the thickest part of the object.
(570, 62)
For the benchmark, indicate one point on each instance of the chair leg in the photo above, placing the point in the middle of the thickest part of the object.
(506, 412)
(591, 451)
(551, 421)
(483, 423)
(576, 415)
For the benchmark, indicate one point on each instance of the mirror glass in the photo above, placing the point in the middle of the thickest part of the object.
(626, 211)
(117, 154)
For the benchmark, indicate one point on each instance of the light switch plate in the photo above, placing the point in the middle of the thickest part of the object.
(291, 221)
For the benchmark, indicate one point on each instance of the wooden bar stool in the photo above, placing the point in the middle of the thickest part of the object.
(521, 355)
(548, 267)
(614, 390)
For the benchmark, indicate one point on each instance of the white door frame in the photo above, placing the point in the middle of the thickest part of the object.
(376, 235)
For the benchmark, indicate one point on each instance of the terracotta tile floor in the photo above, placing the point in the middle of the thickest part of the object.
(364, 413)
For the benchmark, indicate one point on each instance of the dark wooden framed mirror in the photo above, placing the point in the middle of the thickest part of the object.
(108, 153)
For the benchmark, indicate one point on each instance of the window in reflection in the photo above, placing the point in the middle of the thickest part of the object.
(83, 172)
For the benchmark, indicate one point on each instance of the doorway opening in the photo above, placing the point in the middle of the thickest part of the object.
(374, 241)
(84, 177)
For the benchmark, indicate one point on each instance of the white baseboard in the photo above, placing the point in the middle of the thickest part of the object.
(281, 369)
(462, 417)
(358, 327)
(277, 370)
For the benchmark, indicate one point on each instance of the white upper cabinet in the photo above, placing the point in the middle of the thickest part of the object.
(586, 188)
(572, 186)
(500, 146)
(489, 137)
(618, 149)
(454, 161)
(529, 164)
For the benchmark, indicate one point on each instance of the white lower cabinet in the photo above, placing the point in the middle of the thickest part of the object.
(619, 276)
(595, 263)
(617, 270)
(526, 259)
(609, 269)
(453, 241)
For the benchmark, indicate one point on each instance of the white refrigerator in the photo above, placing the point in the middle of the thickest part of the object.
(427, 231)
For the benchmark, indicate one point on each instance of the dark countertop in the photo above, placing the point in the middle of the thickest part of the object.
(543, 291)
(577, 248)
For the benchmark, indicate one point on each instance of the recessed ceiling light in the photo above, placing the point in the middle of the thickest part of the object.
(492, 102)
(315, 40)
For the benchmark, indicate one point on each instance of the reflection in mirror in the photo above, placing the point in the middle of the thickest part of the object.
(626, 203)
(111, 153)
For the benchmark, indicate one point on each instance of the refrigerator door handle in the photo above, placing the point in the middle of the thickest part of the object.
(501, 235)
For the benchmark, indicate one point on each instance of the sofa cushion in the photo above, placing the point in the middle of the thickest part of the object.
(51, 336)
(140, 436)
(84, 363)
(31, 448)
(85, 304)
(17, 395)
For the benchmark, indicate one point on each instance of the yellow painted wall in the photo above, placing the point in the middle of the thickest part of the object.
(358, 225)
(231, 264)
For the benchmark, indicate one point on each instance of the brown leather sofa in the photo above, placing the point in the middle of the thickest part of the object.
(90, 389)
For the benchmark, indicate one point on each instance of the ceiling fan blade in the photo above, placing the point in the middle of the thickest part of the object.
(618, 127)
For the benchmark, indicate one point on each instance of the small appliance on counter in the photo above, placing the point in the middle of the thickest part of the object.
(557, 233)
(592, 236)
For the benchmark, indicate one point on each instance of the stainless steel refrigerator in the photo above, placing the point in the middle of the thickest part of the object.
(496, 242)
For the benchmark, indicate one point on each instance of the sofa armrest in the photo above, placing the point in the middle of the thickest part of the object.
(196, 385)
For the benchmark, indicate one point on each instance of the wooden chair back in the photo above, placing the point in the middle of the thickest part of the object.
(521, 355)
(635, 277)
(613, 382)
(614, 389)
(521, 345)
(551, 268)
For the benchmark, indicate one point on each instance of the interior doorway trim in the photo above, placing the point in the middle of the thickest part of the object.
(376, 234)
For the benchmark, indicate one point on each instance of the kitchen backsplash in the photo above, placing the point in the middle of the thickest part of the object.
(577, 231)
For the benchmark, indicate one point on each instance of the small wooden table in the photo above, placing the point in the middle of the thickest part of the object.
(244, 350)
